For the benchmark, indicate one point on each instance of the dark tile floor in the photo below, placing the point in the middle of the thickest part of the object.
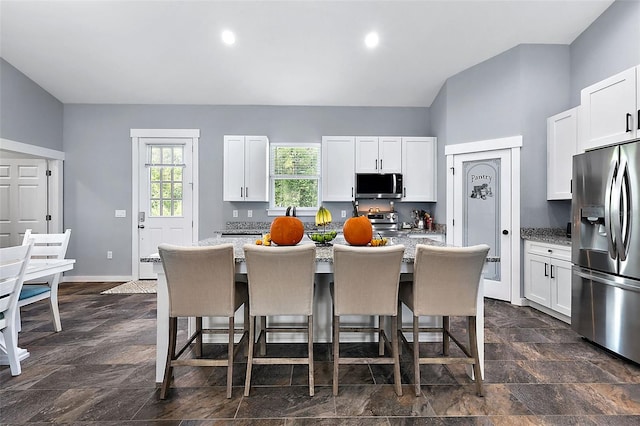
(100, 369)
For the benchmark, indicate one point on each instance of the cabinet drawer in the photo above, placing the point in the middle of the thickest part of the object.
(554, 251)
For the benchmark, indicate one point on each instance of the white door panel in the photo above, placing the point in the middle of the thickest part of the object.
(165, 196)
(482, 213)
(23, 199)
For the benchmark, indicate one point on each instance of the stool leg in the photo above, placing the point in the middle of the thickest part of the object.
(416, 354)
(473, 343)
(230, 357)
(247, 381)
(310, 349)
(396, 358)
(445, 335)
(171, 352)
(198, 342)
(381, 321)
(336, 352)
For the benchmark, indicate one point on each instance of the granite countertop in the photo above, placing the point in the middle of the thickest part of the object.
(323, 253)
(546, 235)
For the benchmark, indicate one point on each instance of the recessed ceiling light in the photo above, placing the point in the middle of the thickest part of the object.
(372, 40)
(228, 37)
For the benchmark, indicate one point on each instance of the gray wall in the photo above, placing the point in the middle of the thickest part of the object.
(98, 167)
(610, 45)
(28, 113)
(510, 94)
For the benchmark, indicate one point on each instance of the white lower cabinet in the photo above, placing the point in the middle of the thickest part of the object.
(547, 278)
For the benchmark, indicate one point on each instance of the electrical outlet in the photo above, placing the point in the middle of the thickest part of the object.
(121, 213)
(109, 254)
(343, 213)
(235, 213)
(249, 213)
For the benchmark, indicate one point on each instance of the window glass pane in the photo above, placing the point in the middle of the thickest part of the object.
(155, 190)
(177, 155)
(166, 174)
(177, 208)
(177, 191)
(155, 174)
(166, 208)
(155, 208)
(166, 190)
(177, 174)
(289, 160)
(156, 155)
(167, 157)
(296, 192)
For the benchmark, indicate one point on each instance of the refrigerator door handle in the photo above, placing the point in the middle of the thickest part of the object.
(607, 207)
(623, 231)
(606, 279)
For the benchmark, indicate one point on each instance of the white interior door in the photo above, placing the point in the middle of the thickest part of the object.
(482, 205)
(165, 191)
(23, 199)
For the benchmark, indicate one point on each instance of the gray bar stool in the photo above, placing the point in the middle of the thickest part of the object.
(366, 283)
(281, 281)
(201, 283)
(445, 283)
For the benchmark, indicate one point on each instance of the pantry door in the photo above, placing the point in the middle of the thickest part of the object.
(485, 211)
(166, 194)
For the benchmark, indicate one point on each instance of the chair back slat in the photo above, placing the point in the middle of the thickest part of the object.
(13, 264)
(366, 279)
(48, 246)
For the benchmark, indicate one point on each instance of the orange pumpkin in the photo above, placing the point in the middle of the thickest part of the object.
(287, 230)
(358, 231)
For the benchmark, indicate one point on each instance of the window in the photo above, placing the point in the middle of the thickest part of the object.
(295, 175)
(165, 180)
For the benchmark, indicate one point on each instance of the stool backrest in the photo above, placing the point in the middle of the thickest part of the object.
(280, 279)
(446, 279)
(366, 279)
(200, 279)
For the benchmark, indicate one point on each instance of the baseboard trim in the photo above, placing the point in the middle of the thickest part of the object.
(96, 278)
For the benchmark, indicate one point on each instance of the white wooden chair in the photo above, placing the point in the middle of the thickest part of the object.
(45, 246)
(13, 264)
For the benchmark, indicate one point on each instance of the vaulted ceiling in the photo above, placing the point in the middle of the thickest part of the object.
(286, 52)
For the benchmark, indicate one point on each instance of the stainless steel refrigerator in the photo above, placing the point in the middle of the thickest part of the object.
(605, 303)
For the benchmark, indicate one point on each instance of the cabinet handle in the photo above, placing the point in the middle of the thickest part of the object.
(546, 271)
(246, 191)
(552, 272)
(380, 164)
(404, 191)
(352, 192)
(629, 125)
(639, 119)
(241, 193)
(376, 164)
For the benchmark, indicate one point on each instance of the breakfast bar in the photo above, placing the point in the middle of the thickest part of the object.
(322, 300)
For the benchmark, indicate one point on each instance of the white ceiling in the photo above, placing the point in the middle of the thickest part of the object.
(287, 52)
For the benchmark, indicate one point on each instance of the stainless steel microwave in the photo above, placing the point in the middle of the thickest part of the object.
(376, 185)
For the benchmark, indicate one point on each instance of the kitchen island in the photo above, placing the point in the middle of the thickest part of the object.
(322, 299)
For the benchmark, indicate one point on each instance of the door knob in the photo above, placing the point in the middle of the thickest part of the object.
(140, 226)
(505, 232)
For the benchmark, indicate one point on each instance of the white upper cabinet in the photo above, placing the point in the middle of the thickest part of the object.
(609, 110)
(378, 154)
(246, 168)
(338, 168)
(562, 145)
(419, 168)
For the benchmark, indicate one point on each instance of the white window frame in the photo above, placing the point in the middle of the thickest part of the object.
(300, 211)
